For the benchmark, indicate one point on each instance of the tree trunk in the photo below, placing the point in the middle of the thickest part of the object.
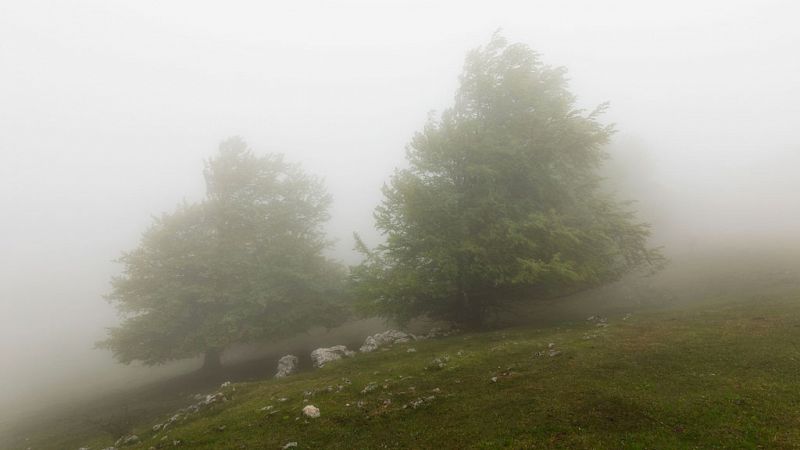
(212, 361)
(471, 314)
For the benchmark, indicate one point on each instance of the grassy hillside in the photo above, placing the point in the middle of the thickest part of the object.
(703, 377)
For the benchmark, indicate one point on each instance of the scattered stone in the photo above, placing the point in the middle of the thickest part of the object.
(438, 363)
(311, 411)
(290, 445)
(411, 350)
(266, 408)
(287, 365)
(436, 390)
(627, 316)
(191, 409)
(416, 403)
(369, 388)
(494, 379)
(551, 345)
(283, 399)
(323, 355)
(552, 353)
(388, 337)
(213, 398)
(127, 440)
(225, 385)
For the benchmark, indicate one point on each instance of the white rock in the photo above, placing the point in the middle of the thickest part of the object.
(311, 411)
(322, 356)
(290, 445)
(127, 440)
(287, 365)
(388, 337)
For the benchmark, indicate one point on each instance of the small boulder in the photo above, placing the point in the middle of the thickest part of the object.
(311, 411)
(323, 355)
(388, 337)
(287, 365)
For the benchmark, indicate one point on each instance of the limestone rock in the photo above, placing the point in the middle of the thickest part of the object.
(388, 337)
(324, 355)
(287, 365)
(311, 411)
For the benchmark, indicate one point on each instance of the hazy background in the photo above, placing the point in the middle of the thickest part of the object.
(108, 110)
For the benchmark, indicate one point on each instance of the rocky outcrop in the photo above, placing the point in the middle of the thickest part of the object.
(389, 337)
(287, 365)
(323, 355)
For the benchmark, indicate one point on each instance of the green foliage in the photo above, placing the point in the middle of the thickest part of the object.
(501, 200)
(244, 265)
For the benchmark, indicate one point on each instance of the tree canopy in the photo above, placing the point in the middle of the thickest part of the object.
(243, 265)
(500, 200)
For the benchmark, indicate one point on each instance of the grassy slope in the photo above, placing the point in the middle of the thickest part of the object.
(705, 377)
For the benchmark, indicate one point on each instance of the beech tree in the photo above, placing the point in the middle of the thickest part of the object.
(243, 265)
(500, 201)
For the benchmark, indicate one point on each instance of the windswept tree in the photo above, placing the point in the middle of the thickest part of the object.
(500, 202)
(243, 265)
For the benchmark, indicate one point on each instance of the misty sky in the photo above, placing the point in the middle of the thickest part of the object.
(108, 110)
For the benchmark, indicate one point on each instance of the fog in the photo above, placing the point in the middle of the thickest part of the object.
(108, 110)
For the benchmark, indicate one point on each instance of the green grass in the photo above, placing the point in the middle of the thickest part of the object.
(723, 376)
